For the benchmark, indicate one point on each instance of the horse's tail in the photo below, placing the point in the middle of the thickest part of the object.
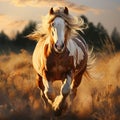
(90, 63)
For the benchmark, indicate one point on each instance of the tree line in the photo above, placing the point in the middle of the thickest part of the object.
(96, 36)
(20, 41)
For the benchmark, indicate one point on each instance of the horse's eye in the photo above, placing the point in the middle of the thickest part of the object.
(52, 24)
(66, 24)
(52, 33)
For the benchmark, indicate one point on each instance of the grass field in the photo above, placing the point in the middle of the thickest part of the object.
(97, 99)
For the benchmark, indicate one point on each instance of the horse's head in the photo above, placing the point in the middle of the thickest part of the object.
(58, 31)
(59, 26)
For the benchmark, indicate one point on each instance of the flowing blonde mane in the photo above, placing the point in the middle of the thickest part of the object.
(74, 24)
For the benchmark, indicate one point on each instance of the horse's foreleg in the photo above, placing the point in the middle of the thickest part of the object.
(42, 88)
(45, 90)
(60, 103)
(49, 91)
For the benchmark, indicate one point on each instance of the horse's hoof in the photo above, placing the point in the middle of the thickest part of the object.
(61, 110)
(58, 112)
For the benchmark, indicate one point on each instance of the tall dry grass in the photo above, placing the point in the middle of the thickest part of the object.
(97, 99)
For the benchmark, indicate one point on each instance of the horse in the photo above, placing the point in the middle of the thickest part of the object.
(60, 54)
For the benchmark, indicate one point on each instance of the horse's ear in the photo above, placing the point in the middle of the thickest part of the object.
(66, 11)
(51, 12)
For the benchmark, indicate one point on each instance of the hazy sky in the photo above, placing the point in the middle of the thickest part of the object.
(15, 14)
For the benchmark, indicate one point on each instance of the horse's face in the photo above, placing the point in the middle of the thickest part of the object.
(58, 30)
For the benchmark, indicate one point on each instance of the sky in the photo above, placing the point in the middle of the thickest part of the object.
(15, 14)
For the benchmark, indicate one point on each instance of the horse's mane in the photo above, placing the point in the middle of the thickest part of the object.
(42, 32)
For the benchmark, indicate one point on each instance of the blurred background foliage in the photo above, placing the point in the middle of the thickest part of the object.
(96, 36)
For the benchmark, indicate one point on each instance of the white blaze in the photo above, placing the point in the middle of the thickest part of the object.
(59, 29)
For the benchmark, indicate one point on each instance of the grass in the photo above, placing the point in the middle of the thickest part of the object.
(97, 99)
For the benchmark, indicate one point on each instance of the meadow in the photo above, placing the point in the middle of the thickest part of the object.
(97, 98)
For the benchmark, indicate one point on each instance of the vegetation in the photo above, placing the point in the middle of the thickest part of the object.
(97, 99)
(20, 41)
(96, 37)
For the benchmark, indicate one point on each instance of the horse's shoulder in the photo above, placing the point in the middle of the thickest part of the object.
(78, 50)
(38, 57)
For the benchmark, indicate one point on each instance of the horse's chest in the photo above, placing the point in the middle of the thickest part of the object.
(58, 66)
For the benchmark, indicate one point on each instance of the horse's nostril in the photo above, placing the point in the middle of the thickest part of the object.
(56, 45)
(59, 47)
(62, 46)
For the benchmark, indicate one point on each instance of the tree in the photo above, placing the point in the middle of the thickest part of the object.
(21, 41)
(97, 37)
(4, 43)
(3, 38)
(115, 36)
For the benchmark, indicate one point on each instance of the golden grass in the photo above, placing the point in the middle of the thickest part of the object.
(97, 99)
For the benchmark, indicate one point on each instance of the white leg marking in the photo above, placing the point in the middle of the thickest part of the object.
(65, 89)
(49, 91)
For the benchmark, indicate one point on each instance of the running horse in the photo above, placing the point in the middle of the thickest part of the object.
(60, 54)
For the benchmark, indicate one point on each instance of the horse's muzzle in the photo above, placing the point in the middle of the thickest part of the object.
(59, 48)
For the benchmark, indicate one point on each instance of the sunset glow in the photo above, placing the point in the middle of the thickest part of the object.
(15, 14)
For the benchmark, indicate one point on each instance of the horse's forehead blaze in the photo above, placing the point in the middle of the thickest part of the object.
(58, 23)
(58, 20)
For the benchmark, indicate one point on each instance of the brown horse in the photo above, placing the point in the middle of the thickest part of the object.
(60, 54)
